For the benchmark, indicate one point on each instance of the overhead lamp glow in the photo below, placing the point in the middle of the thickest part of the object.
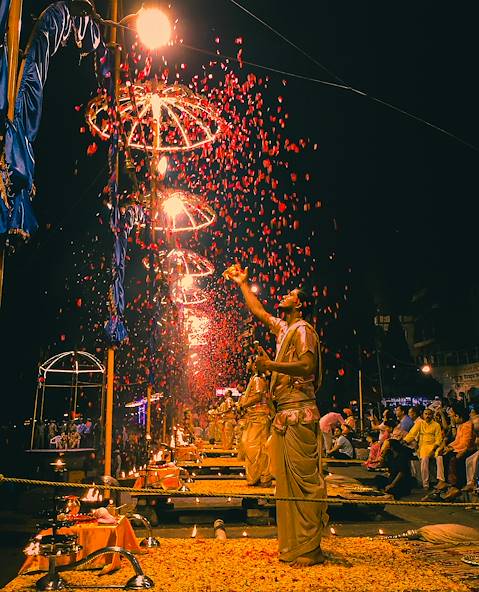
(153, 27)
(173, 207)
(162, 166)
(187, 282)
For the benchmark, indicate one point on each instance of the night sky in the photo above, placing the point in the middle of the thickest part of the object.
(402, 195)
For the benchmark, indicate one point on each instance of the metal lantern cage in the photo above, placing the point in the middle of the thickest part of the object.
(70, 371)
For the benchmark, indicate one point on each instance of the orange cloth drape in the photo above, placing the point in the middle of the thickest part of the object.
(170, 476)
(91, 537)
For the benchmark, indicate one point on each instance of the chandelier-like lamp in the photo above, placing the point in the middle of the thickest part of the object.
(157, 117)
(182, 211)
(181, 262)
(185, 293)
(161, 119)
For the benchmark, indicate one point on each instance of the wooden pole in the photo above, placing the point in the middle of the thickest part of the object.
(361, 409)
(13, 42)
(34, 420)
(110, 367)
(149, 392)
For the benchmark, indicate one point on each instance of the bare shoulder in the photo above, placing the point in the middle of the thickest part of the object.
(276, 325)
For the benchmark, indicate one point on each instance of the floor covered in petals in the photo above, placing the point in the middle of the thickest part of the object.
(251, 565)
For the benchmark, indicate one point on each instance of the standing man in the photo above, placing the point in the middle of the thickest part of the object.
(295, 439)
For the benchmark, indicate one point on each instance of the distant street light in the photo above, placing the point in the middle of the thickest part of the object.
(426, 369)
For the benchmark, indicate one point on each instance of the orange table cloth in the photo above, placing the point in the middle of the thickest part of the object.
(169, 475)
(91, 537)
(186, 453)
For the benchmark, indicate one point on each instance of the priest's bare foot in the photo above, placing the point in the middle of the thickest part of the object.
(314, 558)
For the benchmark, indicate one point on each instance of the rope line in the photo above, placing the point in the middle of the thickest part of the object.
(266, 497)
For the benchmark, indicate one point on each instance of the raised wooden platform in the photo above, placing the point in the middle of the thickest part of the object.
(224, 495)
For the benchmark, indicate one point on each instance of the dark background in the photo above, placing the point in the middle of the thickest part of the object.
(403, 196)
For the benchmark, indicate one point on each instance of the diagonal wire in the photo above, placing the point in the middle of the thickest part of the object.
(344, 85)
(291, 43)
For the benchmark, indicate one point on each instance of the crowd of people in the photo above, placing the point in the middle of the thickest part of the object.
(436, 447)
(66, 434)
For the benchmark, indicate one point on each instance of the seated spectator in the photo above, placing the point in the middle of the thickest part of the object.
(415, 413)
(385, 427)
(447, 437)
(402, 427)
(350, 419)
(429, 437)
(455, 454)
(405, 423)
(436, 405)
(374, 446)
(398, 463)
(342, 448)
(472, 461)
(73, 438)
(327, 423)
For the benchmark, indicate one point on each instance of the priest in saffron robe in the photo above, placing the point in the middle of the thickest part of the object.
(295, 446)
(255, 434)
(226, 412)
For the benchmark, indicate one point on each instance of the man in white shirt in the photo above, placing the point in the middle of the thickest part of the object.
(327, 425)
(342, 449)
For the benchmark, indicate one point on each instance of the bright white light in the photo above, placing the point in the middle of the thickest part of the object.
(162, 166)
(187, 282)
(153, 27)
(255, 289)
(426, 369)
(156, 107)
(173, 206)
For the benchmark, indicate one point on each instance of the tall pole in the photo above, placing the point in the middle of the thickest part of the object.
(380, 374)
(153, 199)
(13, 42)
(110, 376)
(149, 392)
(110, 367)
(361, 409)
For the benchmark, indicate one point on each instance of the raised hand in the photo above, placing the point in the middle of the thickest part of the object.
(236, 274)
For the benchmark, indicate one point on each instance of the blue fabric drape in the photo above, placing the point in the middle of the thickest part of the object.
(125, 220)
(52, 31)
(4, 8)
(122, 219)
(4, 204)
